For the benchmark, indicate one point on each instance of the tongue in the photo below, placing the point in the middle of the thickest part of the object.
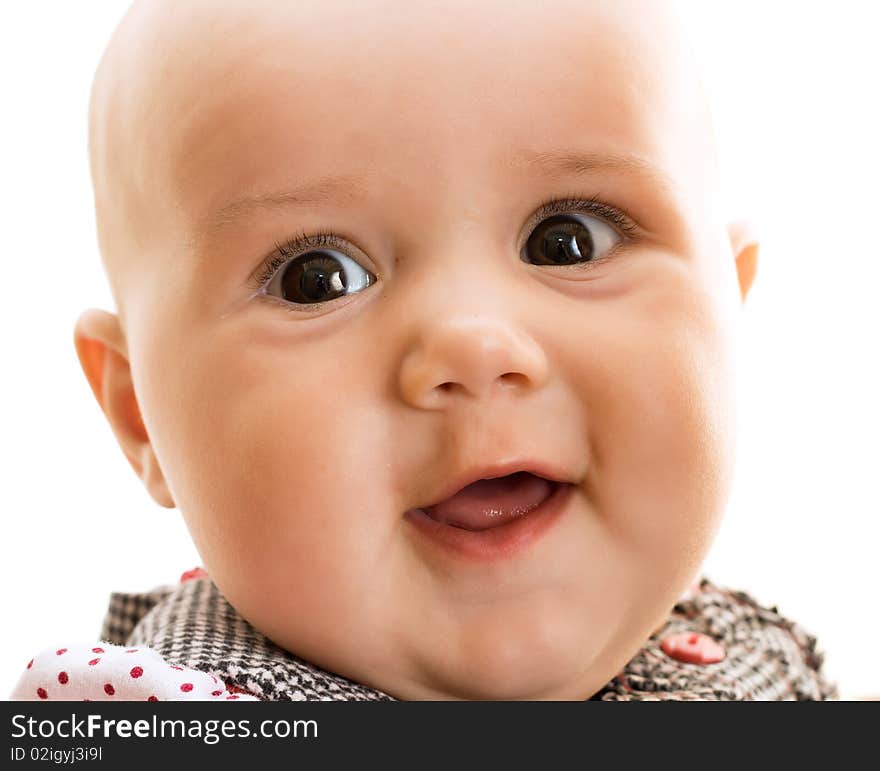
(492, 502)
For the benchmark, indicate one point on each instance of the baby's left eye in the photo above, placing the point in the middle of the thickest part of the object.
(566, 239)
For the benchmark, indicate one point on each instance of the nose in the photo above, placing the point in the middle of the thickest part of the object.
(470, 356)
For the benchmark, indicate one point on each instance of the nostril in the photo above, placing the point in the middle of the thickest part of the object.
(514, 378)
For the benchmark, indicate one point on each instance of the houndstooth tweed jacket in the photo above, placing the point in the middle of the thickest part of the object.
(766, 656)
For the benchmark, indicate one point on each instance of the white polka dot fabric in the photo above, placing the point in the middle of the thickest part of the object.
(106, 672)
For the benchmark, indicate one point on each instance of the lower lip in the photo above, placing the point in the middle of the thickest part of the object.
(495, 543)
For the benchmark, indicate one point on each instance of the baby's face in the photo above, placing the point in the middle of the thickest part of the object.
(525, 265)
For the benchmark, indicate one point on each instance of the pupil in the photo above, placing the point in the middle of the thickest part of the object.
(313, 279)
(561, 244)
(561, 241)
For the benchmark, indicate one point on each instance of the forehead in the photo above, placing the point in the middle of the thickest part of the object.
(418, 100)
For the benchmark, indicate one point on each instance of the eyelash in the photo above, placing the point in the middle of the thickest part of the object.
(592, 205)
(303, 242)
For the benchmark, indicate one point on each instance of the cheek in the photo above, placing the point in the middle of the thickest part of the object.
(658, 383)
(272, 467)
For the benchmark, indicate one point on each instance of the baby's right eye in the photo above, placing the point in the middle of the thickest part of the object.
(317, 277)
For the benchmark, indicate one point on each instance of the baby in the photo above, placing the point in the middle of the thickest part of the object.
(427, 324)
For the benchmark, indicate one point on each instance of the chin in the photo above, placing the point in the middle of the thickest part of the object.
(524, 685)
(507, 668)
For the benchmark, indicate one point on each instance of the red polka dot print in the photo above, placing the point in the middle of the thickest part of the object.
(97, 669)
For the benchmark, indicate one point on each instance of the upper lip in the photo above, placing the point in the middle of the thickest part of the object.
(536, 467)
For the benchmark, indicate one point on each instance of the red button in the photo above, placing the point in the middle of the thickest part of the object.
(188, 575)
(692, 647)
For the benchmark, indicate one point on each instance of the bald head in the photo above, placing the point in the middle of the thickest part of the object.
(195, 102)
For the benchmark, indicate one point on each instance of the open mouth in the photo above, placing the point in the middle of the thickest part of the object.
(490, 503)
(494, 518)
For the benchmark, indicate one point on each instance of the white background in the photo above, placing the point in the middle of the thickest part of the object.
(794, 88)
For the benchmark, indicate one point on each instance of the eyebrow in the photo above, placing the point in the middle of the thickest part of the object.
(313, 192)
(578, 163)
(555, 163)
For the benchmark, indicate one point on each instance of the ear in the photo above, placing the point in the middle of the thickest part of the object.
(102, 351)
(744, 246)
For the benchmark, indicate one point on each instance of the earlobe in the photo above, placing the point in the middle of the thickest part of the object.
(101, 348)
(744, 246)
